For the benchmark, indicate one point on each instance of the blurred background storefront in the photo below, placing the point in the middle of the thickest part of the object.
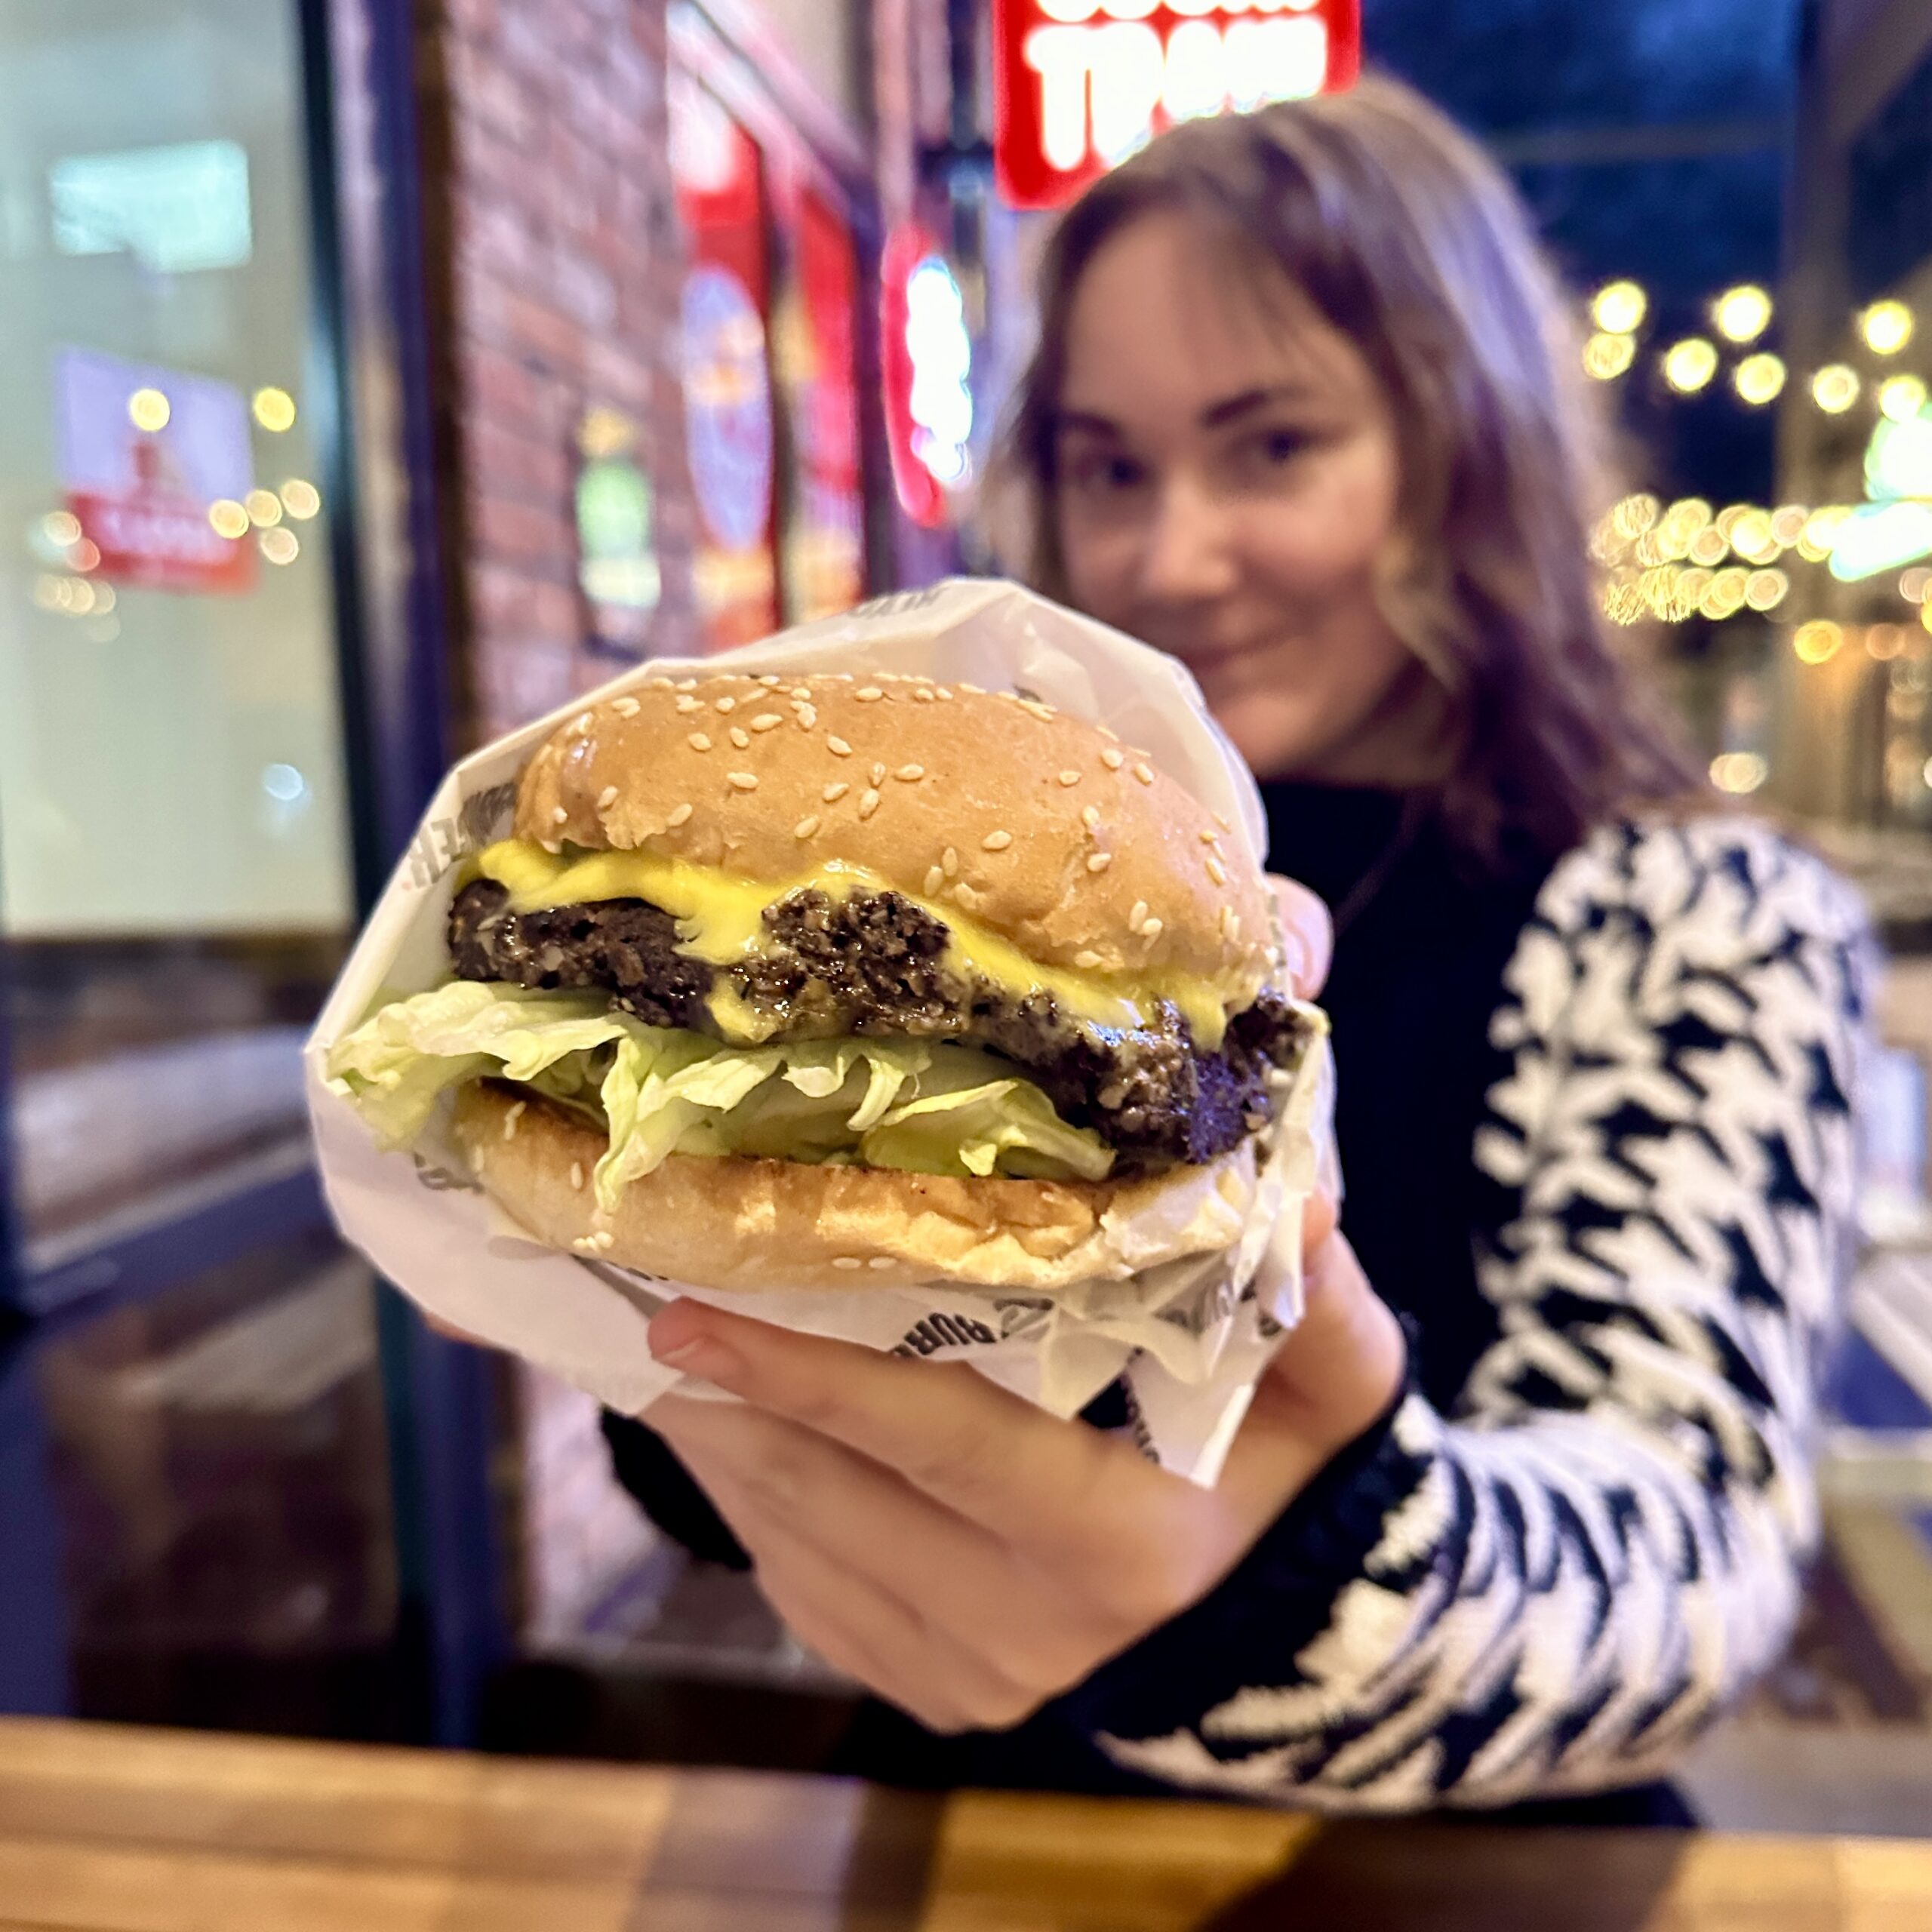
(373, 380)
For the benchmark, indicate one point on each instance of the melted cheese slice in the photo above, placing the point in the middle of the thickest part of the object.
(721, 921)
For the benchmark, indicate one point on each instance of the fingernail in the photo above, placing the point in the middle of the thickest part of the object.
(695, 1353)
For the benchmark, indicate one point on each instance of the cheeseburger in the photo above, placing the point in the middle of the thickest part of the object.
(828, 981)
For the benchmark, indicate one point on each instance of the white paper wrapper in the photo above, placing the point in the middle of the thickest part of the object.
(1190, 1336)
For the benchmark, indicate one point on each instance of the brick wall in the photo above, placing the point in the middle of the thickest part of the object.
(555, 264)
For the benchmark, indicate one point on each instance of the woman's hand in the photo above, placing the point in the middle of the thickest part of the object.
(962, 1552)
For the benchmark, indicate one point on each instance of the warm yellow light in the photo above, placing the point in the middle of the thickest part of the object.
(1750, 537)
(1822, 528)
(280, 546)
(1887, 327)
(84, 556)
(1925, 615)
(1815, 641)
(1742, 314)
(1788, 522)
(1834, 388)
(1885, 641)
(1913, 584)
(1765, 590)
(149, 409)
(1901, 397)
(275, 409)
(104, 599)
(264, 507)
(227, 517)
(1708, 547)
(1725, 597)
(1606, 357)
(1636, 514)
(1689, 365)
(80, 597)
(1620, 308)
(1739, 771)
(300, 498)
(1760, 379)
(61, 528)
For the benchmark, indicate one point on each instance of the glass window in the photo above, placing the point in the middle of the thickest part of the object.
(174, 883)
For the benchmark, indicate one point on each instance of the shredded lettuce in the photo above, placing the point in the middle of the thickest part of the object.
(921, 1107)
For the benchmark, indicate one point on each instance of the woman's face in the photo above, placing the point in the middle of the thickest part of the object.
(1227, 479)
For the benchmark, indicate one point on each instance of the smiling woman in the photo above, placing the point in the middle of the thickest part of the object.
(1303, 415)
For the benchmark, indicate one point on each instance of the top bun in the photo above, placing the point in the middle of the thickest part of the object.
(1039, 826)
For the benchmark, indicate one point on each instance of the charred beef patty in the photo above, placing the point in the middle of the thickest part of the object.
(871, 963)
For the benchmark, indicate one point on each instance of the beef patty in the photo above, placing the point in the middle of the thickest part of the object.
(873, 963)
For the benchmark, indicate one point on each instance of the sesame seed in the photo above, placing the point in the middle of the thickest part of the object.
(549, 845)
(1210, 838)
(585, 1244)
(920, 695)
(658, 684)
(801, 692)
(966, 896)
(806, 827)
(1230, 923)
(686, 684)
(1043, 712)
(880, 1261)
(679, 813)
(949, 861)
(935, 878)
(807, 716)
(838, 747)
(687, 704)
(976, 690)
(943, 693)
(1151, 928)
(606, 798)
(510, 1120)
(767, 720)
(740, 736)
(868, 803)
(1138, 914)
(1069, 778)
(771, 681)
(1145, 773)
(878, 774)
(847, 1261)
(1086, 961)
(576, 1176)
(626, 707)
(560, 817)
(1113, 760)
(698, 742)
(911, 774)
(584, 721)
(1217, 872)
(996, 842)
(604, 1240)
(869, 694)
(1090, 817)
(1100, 862)
(833, 793)
(1220, 819)
(746, 781)
(726, 704)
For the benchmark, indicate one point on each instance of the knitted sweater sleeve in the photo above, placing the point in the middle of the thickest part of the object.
(1550, 1589)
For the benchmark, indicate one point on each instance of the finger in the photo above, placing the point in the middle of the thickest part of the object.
(944, 1429)
(858, 1624)
(1307, 931)
(871, 1523)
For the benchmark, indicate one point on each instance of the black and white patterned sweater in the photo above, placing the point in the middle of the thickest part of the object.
(1580, 1535)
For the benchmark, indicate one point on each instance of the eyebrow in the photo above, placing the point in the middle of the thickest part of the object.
(1216, 415)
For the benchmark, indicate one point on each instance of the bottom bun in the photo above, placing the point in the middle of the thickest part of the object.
(737, 1222)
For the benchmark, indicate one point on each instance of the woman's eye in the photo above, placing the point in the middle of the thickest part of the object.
(1277, 446)
(1105, 473)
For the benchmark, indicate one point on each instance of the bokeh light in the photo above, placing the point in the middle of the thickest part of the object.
(1816, 641)
(1760, 379)
(1901, 398)
(1741, 313)
(1606, 356)
(1887, 327)
(275, 410)
(1689, 365)
(1620, 308)
(148, 410)
(1834, 388)
(280, 546)
(1739, 771)
(227, 518)
(264, 507)
(300, 498)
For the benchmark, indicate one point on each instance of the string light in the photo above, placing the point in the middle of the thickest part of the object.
(63, 528)
(1816, 642)
(279, 546)
(1765, 590)
(1788, 522)
(227, 517)
(1760, 379)
(1606, 356)
(1901, 398)
(300, 498)
(1741, 313)
(1884, 642)
(1620, 308)
(1834, 388)
(149, 409)
(1913, 584)
(1750, 537)
(275, 410)
(1689, 365)
(1887, 327)
(264, 507)
(1739, 771)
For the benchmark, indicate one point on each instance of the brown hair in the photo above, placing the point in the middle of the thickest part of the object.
(1409, 241)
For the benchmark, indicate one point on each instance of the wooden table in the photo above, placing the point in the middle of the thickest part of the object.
(139, 1831)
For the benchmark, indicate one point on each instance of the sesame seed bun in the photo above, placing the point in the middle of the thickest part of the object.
(1039, 826)
(737, 1223)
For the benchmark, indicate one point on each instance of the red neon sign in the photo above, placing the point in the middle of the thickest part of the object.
(1079, 84)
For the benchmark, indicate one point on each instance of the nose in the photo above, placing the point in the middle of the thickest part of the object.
(1189, 555)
